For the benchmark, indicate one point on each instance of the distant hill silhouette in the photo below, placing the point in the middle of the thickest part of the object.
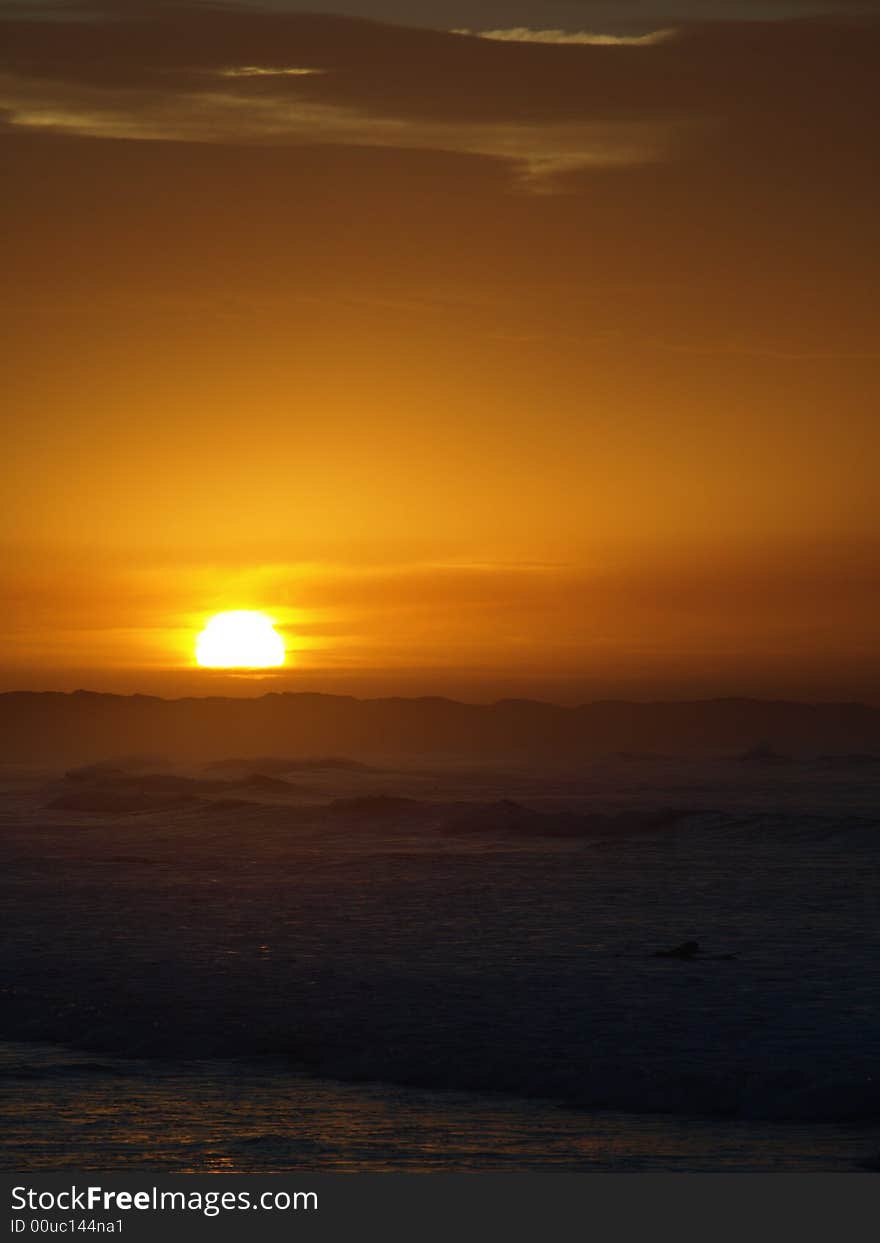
(84, 727)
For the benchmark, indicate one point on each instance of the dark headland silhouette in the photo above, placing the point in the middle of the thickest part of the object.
(81, 727)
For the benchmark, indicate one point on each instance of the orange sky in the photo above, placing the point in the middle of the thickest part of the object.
(483, 367)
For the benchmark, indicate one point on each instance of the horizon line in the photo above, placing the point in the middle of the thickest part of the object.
(495, 703)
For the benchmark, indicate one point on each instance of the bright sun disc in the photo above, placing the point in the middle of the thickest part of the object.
(240, 640)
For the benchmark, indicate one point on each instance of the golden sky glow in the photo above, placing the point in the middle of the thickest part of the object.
(519, 364)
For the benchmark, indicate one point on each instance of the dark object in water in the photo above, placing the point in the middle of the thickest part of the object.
(685, 951)
(764, 754)
(689, 950)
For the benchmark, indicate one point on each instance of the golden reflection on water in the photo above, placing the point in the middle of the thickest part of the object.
(65, 1111)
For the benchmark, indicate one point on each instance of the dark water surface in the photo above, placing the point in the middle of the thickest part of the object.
(239, 974)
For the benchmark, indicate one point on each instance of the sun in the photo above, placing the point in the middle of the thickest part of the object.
(240, 640)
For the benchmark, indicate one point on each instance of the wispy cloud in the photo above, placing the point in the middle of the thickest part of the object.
(537, 149)
(267, 71)
(524, 34)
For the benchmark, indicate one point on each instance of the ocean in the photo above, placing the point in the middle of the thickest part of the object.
(350, 968)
